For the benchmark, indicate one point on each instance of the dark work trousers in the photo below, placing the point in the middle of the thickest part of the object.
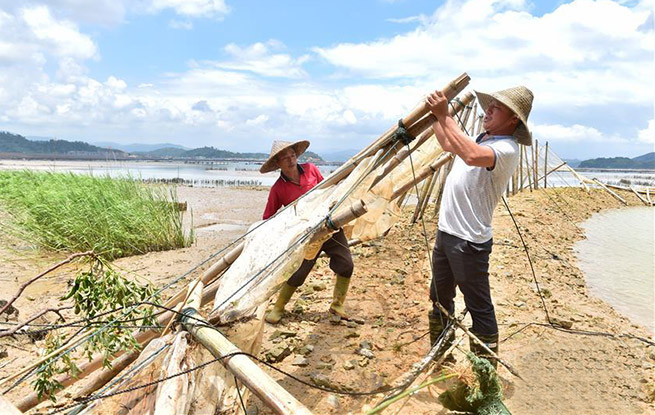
(341, 262)
(460, 263)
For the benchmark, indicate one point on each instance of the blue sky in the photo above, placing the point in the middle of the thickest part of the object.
(236, 75)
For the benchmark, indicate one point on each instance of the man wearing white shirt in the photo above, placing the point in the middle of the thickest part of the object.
(475, 184)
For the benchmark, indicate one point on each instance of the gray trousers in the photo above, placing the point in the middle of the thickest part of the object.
(460, 263)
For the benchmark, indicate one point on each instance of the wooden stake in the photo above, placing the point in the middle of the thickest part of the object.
(535, 164)
(546, 165)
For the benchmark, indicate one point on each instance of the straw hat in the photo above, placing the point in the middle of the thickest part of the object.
(519, 100)
(278, 146)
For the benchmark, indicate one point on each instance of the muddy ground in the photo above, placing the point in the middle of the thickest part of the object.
(563, 373)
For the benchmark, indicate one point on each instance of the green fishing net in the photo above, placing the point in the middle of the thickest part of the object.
(483, 398)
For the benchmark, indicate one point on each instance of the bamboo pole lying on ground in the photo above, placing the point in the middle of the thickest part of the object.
(640, 196)
(6, 408)
(581, 179)
(259, 382)
(601, 184)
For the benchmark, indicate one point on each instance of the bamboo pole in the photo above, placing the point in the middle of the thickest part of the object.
(480, 123)
(535, 164)
(648, 196)
(425, 172)
(405, 152)
(426, 202)
(6, 407)
(580, 178)
(521, 152)
(552, 170)
(546, 165)
(619, 198)
(451, 90)
(425, 195)
(640, 196)
(259, 382)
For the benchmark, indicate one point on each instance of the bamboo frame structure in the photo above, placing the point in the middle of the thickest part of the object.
(251, 375)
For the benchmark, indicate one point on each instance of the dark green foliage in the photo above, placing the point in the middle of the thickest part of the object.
(646, 161)
(14, 143)
(99, 290)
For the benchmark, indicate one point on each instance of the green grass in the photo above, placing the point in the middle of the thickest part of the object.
(69, 212)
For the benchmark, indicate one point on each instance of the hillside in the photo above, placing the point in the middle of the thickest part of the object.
(646, 161)
(214, 153)
(14, 143)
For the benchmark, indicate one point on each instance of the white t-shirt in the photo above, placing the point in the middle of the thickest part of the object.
(471, 193)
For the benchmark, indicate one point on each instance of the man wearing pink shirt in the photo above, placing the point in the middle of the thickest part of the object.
(295, 180)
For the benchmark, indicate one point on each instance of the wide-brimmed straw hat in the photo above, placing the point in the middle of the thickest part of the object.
(519, 100)
(278, 146)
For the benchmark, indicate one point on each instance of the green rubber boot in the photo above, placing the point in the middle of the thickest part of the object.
(436, 328)
(491, 341)
(339, 297)
(283, 298)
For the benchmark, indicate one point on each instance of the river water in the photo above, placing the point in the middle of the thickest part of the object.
(618, 259)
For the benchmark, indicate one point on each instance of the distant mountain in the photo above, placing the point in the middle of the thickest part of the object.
(341, 155)
(140, 148)
(214, 153)
(646, 161)
(14, 143)
(572, 162)
(162, 152)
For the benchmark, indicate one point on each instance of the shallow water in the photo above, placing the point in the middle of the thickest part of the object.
(618, 259)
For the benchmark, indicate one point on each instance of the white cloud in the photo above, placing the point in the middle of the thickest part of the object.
(647, 135)
(180, 24)
(261, 58)
(574, 133)
(192, 8)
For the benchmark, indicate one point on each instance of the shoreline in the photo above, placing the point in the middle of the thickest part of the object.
(566, 373)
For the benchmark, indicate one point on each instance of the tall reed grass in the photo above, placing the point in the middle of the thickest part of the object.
(70, 212)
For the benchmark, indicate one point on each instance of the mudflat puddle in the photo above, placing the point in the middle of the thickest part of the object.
(618, 259)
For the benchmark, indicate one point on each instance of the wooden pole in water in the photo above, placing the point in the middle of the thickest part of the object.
(259, 382)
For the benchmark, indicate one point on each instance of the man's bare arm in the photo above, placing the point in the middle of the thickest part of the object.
(451, 137)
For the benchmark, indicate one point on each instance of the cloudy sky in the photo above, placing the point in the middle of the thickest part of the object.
(236, 75)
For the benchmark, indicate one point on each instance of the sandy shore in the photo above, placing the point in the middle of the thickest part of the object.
(563, 373)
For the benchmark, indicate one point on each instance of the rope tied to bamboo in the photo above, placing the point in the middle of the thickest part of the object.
(402, 134)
